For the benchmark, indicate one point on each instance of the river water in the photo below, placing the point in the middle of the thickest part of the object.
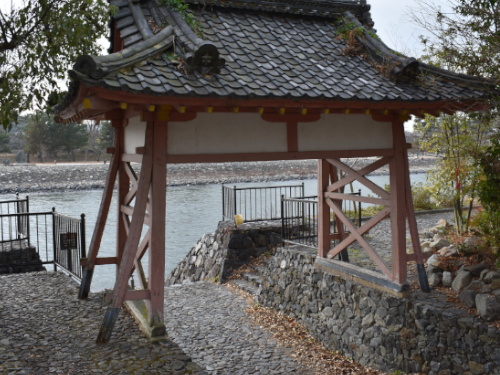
(192, 211)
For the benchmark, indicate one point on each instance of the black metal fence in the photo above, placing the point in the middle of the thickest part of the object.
(69, 243)
(299, 222)
(256, 203)
(15, 229)
(32, 238)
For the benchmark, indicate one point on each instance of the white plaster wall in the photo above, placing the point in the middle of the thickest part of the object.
(224, 133)
(134, 135)
(344, 132)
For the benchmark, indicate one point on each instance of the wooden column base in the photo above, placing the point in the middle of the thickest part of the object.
(138, 310)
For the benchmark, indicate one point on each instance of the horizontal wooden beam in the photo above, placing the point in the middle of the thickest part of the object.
(357, 198)
(416, 106)
(128, 210)
(270, 156)
(132, 158)
(294, 117)
(100, 261)
(134, 295)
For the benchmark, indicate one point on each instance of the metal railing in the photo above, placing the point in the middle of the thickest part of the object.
(299, 222)
(69, 243)
(19, 227)
(40, 238)
(256, 203)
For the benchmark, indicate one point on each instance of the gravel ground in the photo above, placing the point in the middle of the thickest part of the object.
(45, 329)
(25, 178)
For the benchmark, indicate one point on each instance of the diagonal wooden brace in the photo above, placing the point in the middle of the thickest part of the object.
(95, 242)
(134, 237)
(354, 232)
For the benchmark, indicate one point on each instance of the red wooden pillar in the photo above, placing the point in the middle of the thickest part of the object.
(398, 203)
(323, 209)
(158, 221)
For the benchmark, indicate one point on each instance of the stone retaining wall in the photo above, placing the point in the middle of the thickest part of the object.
(215, 256)
(20, 260)
(373, 325)
(421, 333)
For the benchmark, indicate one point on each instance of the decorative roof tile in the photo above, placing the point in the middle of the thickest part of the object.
(255, 49)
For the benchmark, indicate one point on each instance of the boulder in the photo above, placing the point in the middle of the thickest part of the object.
(468, 295)
(427, 233)
(476, 269)
(433, 269)
(472, 242)
(488, 306)
(425, 244)
(433, 261)
(442, 224)
(438, 244)
(489, 276)
(435, 279)
(447, 279)
(448, 251)
(462, 280)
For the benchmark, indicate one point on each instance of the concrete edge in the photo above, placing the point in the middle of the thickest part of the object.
(362, 276)
(154, 333)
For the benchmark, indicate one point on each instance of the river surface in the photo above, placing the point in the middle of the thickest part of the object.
(192, 211)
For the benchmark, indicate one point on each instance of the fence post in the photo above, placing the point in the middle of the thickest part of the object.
(28, 235)
(359, 210)
(234, 197)
(223, 203)
(54, 237)
(83, 245)
(282, 220)
(82, 236)
(19, 219)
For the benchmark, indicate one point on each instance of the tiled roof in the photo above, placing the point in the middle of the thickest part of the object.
(264, 49)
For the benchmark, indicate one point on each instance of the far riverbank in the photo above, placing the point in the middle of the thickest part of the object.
(26, 178)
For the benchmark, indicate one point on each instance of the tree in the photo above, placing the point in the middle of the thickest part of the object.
(458, 139)
(4, 141)
(463, 34)
(106, 135)
(100, 137)
(489, 193)
(65, 137)
(35, 135)
(39, 40)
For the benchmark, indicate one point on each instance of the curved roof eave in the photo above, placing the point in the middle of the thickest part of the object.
(402, 65)
(263, 71)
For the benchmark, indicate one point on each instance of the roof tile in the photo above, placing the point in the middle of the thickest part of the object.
(270, 55)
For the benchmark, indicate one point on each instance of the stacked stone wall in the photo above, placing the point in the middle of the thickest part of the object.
(216, 255)
(422, 333)
(19, 260)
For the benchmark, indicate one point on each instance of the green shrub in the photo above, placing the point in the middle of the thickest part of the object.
(422, 200)
(489, 194)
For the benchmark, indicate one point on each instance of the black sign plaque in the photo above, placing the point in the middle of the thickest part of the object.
(68, 241)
